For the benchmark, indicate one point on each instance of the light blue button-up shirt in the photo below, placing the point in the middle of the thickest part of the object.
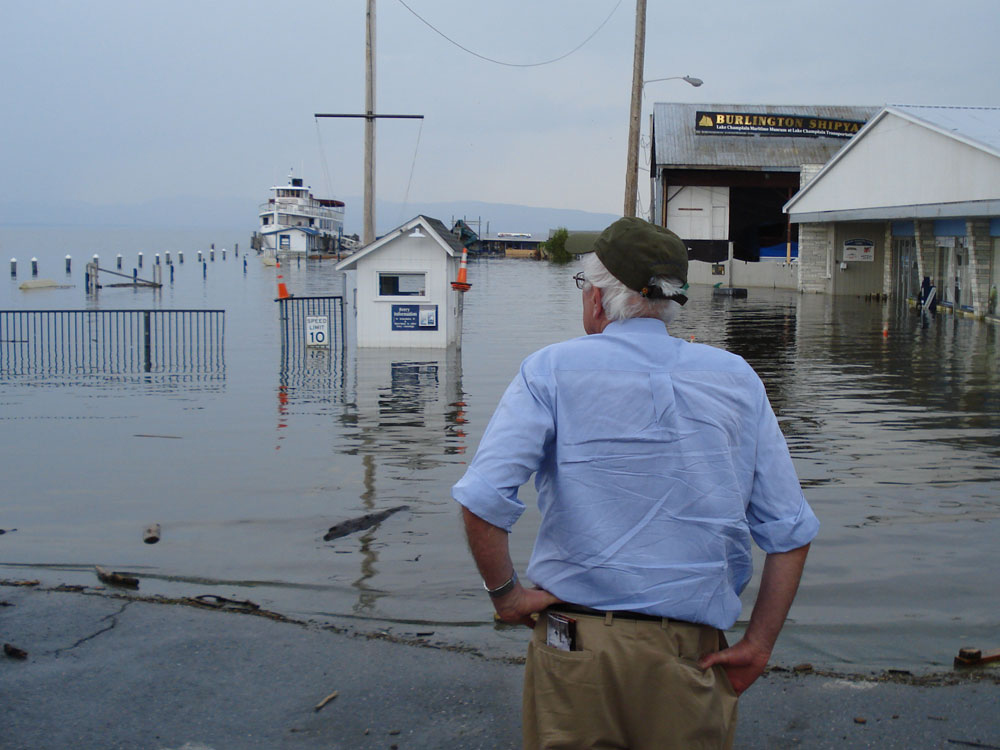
(656, 461)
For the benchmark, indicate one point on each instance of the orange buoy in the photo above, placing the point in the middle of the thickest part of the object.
(462, 284)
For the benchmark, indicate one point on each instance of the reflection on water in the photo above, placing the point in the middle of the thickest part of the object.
(893, 423)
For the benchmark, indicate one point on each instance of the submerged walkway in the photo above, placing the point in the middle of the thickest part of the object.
(109, 672)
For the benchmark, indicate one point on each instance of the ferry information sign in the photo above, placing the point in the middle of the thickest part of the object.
(414, 317)
(317, 330)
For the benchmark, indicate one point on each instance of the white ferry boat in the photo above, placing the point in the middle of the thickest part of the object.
(294, 222)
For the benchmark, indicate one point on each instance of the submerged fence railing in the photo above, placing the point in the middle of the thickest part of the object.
(111, 341)
(311, 323)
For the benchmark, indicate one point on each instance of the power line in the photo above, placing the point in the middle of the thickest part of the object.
(510, 64)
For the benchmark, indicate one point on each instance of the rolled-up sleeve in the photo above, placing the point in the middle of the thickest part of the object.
(511, 450)
(779, 517)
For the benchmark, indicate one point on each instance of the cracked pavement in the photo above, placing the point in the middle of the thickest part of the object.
(105, 672)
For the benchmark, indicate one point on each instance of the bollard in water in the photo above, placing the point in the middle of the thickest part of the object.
(236, 249)
(34, 266)
(151, 534)
(200, 257)
(211, 254)
(180, 257)
(140, 260)
(118, 260)
(244, 264)
(167, 258)
(156, 259)
(69, 263)
(13, 268)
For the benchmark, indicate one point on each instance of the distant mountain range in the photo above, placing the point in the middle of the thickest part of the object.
(242, 214)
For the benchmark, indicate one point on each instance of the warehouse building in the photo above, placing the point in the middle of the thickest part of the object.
(721, 173)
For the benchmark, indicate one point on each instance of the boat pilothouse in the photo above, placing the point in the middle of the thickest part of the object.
(294, 222)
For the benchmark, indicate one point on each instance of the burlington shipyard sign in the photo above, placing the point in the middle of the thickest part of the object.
(752, 123)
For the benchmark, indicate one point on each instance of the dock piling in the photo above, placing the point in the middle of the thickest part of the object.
(69, 263)
(13, 268)
(34, 266)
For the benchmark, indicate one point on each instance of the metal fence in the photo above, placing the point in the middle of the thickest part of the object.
(311, 323)
(111, 341)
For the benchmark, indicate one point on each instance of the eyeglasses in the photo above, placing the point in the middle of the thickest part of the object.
(580, 280)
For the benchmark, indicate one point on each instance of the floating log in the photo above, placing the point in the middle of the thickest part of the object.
(116, 579)
(42, 284)
(360, 523)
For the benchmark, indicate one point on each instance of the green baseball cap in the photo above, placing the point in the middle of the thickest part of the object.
(635, 251)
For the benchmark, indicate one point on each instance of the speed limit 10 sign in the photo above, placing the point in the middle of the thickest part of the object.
(317, 330)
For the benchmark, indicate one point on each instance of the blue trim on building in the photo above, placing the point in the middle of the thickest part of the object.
(949, 228)
(903, 229)
(995, 227)
(779, 251)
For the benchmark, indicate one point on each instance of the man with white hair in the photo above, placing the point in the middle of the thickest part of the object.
(656, 461)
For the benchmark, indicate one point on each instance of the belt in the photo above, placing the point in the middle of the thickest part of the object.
(624, 614)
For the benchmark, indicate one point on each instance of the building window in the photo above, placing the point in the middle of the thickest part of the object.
(402, 284)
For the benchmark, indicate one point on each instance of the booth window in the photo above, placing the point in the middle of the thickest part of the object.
(401, 284)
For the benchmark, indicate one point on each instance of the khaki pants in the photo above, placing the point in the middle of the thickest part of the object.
(631, 684)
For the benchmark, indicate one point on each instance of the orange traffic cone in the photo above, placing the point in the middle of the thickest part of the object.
(282, 289)
(461, 284)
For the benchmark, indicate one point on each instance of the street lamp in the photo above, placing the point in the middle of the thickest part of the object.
(696, 82)
(632, 170)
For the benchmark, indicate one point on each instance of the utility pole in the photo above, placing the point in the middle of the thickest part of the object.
(632, 160)
(370, 117)
(369, 224)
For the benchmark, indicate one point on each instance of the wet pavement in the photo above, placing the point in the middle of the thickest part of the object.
(104, 672)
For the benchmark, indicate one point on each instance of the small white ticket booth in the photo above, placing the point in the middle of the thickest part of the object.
(403, 296)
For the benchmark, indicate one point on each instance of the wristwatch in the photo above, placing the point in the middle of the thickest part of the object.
(504, 588)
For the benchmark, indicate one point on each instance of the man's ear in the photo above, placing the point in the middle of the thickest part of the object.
(598, 302)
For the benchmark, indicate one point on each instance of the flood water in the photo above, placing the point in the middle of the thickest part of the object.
(246, 465)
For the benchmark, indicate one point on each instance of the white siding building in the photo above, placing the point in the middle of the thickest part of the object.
(402, 287)
(916, 193)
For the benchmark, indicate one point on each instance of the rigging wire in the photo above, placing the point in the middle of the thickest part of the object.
(322, 156)
(510, 64)
(406, 195)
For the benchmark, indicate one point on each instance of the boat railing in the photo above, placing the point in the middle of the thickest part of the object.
(294, 207)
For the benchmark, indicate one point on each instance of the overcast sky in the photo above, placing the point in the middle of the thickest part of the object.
(126, 101)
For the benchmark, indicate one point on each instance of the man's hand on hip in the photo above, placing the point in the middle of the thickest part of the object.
(743, 663)
(521, 603)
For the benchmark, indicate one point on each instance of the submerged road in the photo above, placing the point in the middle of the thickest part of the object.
(104, 671)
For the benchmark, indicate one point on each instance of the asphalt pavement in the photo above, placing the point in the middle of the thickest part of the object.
(104, 670)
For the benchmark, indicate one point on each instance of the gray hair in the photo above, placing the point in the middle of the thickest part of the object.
(621, 303)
